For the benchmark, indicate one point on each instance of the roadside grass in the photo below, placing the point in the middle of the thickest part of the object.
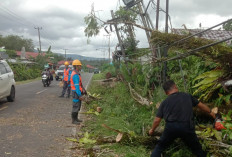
(120, 112)
(98, 76)
(27, 81)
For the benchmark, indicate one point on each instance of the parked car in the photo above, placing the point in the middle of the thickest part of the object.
(7, 82)
(96, 71)
(60, 72)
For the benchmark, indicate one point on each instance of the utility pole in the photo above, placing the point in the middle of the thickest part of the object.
(166, 21)
(108, 46)
(166, 48)
(157, 15)
(65, 53)
(119, 37)
(39, 37)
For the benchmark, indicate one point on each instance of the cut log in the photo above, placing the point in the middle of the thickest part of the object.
(99, 109)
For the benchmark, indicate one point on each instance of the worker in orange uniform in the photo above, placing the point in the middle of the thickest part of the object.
(66, 80)
(77, 91)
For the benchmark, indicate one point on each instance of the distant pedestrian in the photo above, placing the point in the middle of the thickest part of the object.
(77, 91)
(66, 80)
(177, 111)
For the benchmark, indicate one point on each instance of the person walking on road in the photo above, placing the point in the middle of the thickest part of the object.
(77, 91)
(177, 111)
(66, 80)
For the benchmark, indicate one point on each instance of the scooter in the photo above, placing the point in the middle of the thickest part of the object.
(45, 80)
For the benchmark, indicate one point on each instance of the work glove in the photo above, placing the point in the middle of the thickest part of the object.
(81, 98)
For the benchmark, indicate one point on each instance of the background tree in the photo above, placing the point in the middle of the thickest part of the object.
(124, 15)
(228, 26)
(14, 42)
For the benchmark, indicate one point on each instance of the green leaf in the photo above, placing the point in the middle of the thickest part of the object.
(71, 139)
(206, 81)
(230, 149)
(230, 137)
(218, 135)
(209, 74)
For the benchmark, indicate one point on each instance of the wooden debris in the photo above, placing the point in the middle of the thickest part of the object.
(137, 97)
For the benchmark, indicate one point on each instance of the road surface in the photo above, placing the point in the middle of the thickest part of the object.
(37, 123)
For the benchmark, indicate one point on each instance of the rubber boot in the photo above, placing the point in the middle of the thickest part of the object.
(74, 118)
(78, 120)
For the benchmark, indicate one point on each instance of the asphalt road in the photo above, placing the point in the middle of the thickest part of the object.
(37, 123)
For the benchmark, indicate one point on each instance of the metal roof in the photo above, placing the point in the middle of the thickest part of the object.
(211, 34)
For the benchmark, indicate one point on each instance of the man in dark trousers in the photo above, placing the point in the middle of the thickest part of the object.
(66, 80)
(177, 111)
(77, 91)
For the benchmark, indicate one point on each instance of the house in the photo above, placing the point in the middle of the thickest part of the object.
(215, 35)
(90, 68)
(29, 55)
(62, 63)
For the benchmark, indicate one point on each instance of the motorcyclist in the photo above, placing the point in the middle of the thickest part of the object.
(47, 72)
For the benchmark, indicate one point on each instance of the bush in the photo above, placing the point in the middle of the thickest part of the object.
(24, 72)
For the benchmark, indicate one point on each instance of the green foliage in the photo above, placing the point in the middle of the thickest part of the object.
(129, 43)
(93, 28)
(227, 26)
(87, 139)
(223, 99)
(227, 133)
(126, 14)
(109, 68)
(24, 72)
(208, 84)
(11, 53)
(14, 42)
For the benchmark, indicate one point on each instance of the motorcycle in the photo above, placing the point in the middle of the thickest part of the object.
(45, 80)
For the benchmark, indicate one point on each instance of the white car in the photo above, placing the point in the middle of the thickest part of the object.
(60, 72)
(7, 82)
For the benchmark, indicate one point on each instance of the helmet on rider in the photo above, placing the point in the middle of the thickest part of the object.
(66, 63)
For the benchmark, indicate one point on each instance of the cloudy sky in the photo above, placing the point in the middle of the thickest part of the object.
(62, 21)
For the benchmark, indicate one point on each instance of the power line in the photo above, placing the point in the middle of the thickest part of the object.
(19, 19)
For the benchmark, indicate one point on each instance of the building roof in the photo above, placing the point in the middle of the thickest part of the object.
(30, 54)
(90, 67)
(62, 62)
(211, 34)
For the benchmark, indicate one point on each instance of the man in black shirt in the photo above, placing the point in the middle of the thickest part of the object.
(177, 111)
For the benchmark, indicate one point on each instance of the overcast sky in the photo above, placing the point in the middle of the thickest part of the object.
(62, 21)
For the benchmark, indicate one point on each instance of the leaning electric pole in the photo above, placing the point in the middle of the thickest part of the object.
(39, 28)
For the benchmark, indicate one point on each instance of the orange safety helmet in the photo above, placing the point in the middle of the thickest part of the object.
(66, 63)
(76, 62)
